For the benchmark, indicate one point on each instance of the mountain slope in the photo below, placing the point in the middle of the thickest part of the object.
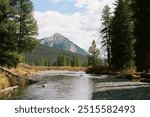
(60, 42)
(50, 54)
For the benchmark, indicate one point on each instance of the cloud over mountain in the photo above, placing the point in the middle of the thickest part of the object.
(81, 27)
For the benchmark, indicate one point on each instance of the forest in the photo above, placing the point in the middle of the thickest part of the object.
(125, 34)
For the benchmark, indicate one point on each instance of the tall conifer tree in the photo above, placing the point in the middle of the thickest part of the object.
(27, 26)
(7, 34)
(106, 32)
(142, 33)
(94, 51)
(122, 35)
(18, 30)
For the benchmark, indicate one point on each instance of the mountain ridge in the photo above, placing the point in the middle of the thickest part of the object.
(61, 42)
(43, 52)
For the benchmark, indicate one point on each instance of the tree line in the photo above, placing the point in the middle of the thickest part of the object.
(18, 30)
(126, 34)
(61, 60)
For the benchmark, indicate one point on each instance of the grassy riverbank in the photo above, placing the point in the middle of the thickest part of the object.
(27, 71)
(121, 73)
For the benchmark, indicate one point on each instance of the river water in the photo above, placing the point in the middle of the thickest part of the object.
(66, 85)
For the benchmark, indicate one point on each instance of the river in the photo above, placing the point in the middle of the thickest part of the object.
(67, 85)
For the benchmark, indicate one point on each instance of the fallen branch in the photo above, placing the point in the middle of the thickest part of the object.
(9, 89)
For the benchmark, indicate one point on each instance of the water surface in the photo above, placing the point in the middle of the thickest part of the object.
(66, 85)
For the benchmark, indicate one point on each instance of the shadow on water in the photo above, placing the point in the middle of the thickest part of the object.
(64, 85)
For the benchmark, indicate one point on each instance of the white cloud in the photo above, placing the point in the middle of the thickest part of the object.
(79, 27)
(55, 1)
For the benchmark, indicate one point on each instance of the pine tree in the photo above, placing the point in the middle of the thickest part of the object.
(73, 62)
(7, 34)
(68, 61)
(142, 33)
(122, 35)
(17, 30)
(94, 51)
(106, 32)
(27, 26)
(59, 59)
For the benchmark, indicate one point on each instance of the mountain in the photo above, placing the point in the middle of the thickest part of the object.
(61, 42)
(43, 52)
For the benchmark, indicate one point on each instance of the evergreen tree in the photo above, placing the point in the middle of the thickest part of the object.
(94, 51)
(64, 60)
(7, 35)
(122, 35)
(75, 61)
(27, 26)
(67, 61)
(59, 60)
(17, 30)
(142, 33)
(106, 32)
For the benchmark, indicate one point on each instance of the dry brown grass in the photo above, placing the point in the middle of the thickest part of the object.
(119, 73)
(21, 71)
(4, 82)
(27, 71)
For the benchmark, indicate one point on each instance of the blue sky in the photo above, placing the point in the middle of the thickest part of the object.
(78, 20)
(66, 6)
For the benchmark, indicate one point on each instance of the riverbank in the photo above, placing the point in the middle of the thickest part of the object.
(26, 71)
(131, 74)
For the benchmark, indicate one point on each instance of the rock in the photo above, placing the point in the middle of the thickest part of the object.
(30, 82)
(43, 85)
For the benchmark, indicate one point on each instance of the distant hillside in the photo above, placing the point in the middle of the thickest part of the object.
(61, 42)
(50, 54)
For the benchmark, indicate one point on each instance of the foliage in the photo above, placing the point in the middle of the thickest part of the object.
(7, 37)
(26, 25)
(122, 35)
(8, 59)
(75, 61)
(93, 60)
(43, 62)
(17, 30)
(99, 70)
(53, 57)
(141, 10)
(106, 32)
(63, 60)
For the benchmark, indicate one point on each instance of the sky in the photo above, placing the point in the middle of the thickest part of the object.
(78, 20)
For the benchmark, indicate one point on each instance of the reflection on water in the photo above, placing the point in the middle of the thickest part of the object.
(64, 85)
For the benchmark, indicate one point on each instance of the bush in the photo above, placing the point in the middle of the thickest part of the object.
(97, 70)
(9, 60)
